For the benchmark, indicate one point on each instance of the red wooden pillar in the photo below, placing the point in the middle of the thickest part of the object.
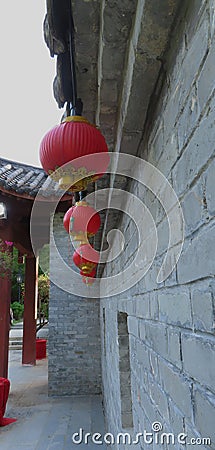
(30, 311)
(5, 293)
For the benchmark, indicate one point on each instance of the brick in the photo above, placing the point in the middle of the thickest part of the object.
(195, 12)
(151, 276)
(197, 48)
(142, 307)
(188, 119)
(186, 73)
(154, 310)
(193, 208)
(174, 347)
(126, 406)
(172, 278)
(199, 359)
(205, 415)
(212, 18)
(171, 110)
(122, 323)
(156, 336)
(156, 145)
(143, 356)
(177, 387)
(206, 81)
(125, 381)
(202, 307)
(128, 306)
(163, 236)
(142, 376)
(197, 259)
(149, 409)
(159, 397)
(210, 197)
(170, 154)
(133, 326)
(175, 308)
(200, 148)
(142, 329)
(177, 424)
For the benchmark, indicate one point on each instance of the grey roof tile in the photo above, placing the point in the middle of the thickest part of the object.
(25, 179)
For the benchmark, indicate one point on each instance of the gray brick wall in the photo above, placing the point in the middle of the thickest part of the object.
(74, 349)
(171, 325)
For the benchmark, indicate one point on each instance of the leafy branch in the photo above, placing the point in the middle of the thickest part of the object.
(6, 258)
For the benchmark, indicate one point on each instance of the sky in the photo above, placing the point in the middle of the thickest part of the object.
(28, 109)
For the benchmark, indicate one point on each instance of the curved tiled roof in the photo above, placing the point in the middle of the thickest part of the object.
(23, 179)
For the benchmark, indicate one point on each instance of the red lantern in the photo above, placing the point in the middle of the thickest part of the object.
(86, 258)
(90, 275)
(89, 278)
(73, 138)
(82, 219)
(66, 219)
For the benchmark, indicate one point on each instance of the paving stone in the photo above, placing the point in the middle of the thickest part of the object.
(44, 423)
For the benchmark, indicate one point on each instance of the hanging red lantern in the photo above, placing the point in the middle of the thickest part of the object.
(66, 219)
(82, 219)
(89, 278)
(86, 258)
(91, 274)
(73, 138)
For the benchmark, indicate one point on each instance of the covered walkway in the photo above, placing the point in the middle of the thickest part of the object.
(45, 423)
(19, 185)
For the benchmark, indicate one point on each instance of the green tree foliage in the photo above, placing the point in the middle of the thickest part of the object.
(9, 263)
(5, 258)
(18, 310)
(43, 295)
(17, 269)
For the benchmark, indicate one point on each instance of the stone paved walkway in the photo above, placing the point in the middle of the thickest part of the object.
(46, 423)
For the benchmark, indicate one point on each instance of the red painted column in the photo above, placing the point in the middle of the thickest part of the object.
(5, 297)
(5, 293)
(30, 311)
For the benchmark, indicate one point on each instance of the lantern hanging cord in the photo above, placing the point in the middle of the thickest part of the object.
(72, 63)
(77, 104)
